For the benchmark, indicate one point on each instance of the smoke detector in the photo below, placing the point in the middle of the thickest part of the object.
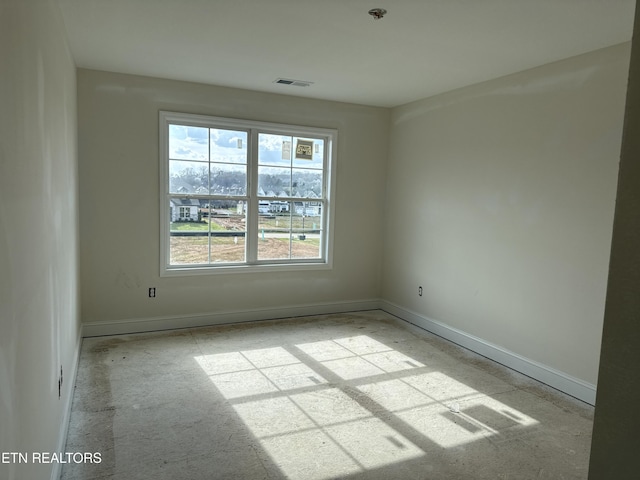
(294, 83)
(377, 13)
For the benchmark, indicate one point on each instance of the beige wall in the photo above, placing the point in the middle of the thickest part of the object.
(500, 204)
(119, 203)
(39, 310)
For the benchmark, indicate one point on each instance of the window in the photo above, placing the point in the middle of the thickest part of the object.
(185, 213)
(239, 195)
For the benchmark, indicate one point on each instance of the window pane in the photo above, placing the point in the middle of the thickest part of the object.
(274, 230)
(186, 250)
(274, 182)
(275, 150)
(228, 249)
(189, 242)
(188, 177)
(272, 246)
(227, 222)
(188, 143)
(228, 179)
(186, 210)
(306, 183)
(203, 231)
(274, 217)
(228, 146)
(306, 246)
(306, 216)
(316, 157)
(292, 232)
(306, 219)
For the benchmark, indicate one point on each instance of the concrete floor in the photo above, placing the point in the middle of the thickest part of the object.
(349, 396)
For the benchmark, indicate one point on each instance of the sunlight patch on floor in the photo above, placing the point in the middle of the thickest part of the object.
(352, 403)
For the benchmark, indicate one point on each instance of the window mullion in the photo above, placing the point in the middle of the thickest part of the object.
(325, 197)
(251, 238)
(209, 197)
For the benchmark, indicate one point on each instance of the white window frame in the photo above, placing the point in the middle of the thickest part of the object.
(253, 128)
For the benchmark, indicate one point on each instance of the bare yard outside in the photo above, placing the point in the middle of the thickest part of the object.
(195, 250)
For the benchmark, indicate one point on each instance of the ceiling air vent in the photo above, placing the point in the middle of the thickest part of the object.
(295, 83)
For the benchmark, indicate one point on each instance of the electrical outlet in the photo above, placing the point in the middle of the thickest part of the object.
(152, 292)
(419, 291)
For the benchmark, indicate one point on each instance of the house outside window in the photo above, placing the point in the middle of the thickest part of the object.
(249, 196)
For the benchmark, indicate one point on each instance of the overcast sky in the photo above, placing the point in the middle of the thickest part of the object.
(192, 143)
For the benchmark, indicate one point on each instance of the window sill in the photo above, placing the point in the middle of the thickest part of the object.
(187, 271)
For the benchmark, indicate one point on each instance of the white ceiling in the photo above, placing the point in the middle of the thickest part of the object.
(420, 48)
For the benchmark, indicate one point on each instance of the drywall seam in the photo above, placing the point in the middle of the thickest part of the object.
(64, 427)
(137, 325)
(554, 378)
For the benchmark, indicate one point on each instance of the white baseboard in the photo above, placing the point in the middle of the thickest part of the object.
(138, 325)
(549, 376)
(64, 428)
